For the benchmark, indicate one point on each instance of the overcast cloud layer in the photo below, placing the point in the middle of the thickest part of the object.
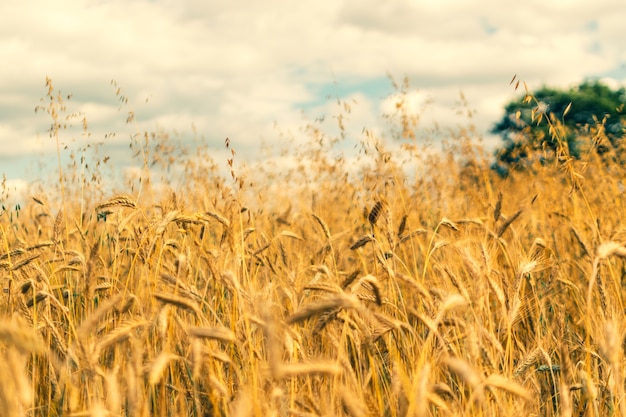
(238, 68)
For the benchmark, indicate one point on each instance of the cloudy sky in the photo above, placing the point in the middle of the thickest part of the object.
(249, 70)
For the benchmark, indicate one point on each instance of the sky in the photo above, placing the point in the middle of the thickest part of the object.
(253, 70)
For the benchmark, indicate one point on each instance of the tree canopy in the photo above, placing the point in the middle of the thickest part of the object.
(586, 108)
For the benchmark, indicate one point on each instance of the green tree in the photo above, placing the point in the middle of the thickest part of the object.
(525, 130)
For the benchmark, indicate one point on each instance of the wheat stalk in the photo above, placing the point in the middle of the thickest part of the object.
(120, 200)
(180, 302)
(216, 333)
(339, 301)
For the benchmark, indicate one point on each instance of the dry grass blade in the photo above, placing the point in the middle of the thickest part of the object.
(128, 303)
(16, 390)
(221, 219)
(442, 390)
(273, 343)
(451, 302)
(497, 290)
(119, 334)
(412, 234)
(459, 285)
(38, 245)
(57, 344)
(339, 301)
(90, 323)
(23, 338)
(58, 227)
(178, 302)
(37, 299)
(331, 288)
(165, 221)
(471, 377)
(11, 254)
(323, 225)
(371, 283)
(354, 406)
(608, 249)
(538, 248)
(361, 242)
(402, 226)
(292, 235)
(375, 213)
(25, 286)
(220, 356)
(155, 372)
(261, 249)
(449, 224)
(580, 241)
(38, 201)
(23, 262)
(218, 386)
(181, 287)
(505, 384)
(309, 369)
(498, 208)
(412, 282)
(525, 268)
(222, 334)
(350, 279)
(103, 286)
(422, 390)
(505, 225)
(321, 269)
(567, 368)
(388, 324)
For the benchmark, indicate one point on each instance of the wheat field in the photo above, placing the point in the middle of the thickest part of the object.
(448, 291)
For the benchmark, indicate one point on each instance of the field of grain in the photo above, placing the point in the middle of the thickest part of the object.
(320, 291)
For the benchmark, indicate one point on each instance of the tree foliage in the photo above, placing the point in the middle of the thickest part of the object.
(590, 108)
